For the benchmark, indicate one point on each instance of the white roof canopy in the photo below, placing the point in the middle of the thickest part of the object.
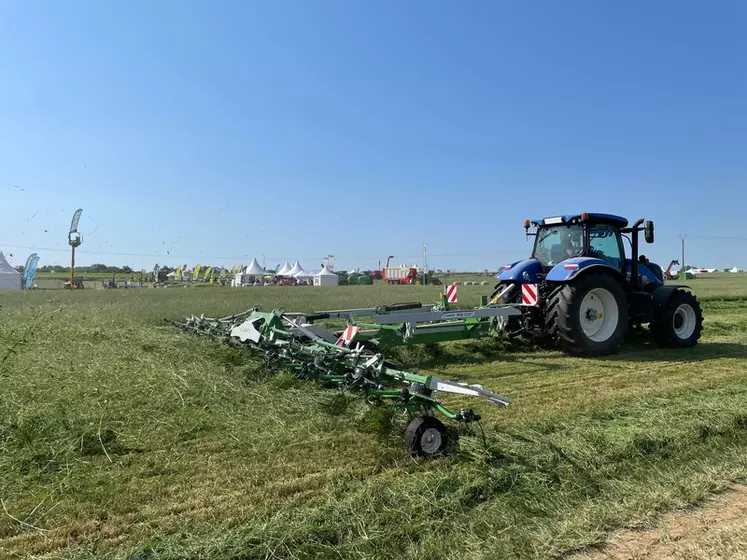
(295, 269)
(325, 272)
(254, 269)
(283, 270)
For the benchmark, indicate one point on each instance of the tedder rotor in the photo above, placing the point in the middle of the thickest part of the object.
(312, 352)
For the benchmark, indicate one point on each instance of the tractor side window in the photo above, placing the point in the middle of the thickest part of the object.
(604, 244)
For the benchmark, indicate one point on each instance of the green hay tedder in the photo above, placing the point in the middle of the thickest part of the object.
(352, 360)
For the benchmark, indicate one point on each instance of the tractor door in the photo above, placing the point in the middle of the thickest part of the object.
(605, 243)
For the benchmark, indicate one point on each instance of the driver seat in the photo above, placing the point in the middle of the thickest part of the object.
(557, 253)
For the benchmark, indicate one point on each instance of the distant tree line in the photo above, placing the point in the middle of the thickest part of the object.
(98, 267)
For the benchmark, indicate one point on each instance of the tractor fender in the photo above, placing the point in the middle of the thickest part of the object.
(643, 272)
(662, 294)
(571, 269)
(525, 272)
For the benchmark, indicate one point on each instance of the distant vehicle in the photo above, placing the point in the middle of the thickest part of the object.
(77, 284)
(404, 274)
(401, 275)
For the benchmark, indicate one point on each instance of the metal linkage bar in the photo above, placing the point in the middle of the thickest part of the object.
(483, 312)
(394, 309)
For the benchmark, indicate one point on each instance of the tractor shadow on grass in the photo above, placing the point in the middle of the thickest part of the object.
(647, 351)
(478, 352)
(530, 359)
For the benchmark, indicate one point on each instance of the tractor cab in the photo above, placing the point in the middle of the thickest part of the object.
(593, 239)
(585, 235)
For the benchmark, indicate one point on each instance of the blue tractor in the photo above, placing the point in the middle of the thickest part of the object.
(578, 288)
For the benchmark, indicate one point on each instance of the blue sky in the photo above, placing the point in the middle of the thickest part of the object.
(219, 131)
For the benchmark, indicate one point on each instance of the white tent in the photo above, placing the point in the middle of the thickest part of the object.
(295, 270)
(326, 278)
(304, 277)
(254, 269)
(735, 270)
(283, 270)
(10, 278)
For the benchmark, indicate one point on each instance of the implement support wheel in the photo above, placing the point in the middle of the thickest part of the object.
(426, 436)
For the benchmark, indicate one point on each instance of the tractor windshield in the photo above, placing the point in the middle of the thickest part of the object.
(558, 243)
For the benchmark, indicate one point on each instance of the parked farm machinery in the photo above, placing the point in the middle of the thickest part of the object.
(668, 274)
(404, 275)
(352, 359)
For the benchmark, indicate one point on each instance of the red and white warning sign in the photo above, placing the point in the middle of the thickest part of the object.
(451, 293)
(347, 335)
(529, 294)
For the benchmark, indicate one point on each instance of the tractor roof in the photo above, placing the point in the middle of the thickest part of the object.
(617, 221)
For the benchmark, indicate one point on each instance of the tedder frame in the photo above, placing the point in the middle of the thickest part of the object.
(353, 360)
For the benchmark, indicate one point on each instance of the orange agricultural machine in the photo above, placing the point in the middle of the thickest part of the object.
(668, 274)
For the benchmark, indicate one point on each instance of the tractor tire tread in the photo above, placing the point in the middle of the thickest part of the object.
(661, 327)
(561, 312)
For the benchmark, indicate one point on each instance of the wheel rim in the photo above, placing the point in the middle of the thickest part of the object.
(599, 315)
(684, 321)
(430, 441)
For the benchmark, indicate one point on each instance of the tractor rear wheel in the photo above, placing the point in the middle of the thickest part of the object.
(426, 436)
(590, 315)
(679, 323)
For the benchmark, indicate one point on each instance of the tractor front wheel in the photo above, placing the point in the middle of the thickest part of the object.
(510, 292)
(426, 436)
(591, 315)
(679, 323)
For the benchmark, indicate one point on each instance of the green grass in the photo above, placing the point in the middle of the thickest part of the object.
(121, 437)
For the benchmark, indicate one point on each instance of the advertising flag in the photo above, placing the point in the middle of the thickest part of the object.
(76, 219)
(30, 272)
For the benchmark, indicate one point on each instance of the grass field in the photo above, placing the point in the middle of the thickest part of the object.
(93, 280)
(121, 437)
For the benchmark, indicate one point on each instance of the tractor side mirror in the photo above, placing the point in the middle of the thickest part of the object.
(648, 231)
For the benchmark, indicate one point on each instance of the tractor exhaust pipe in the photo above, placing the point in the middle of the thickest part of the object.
(635, 228)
